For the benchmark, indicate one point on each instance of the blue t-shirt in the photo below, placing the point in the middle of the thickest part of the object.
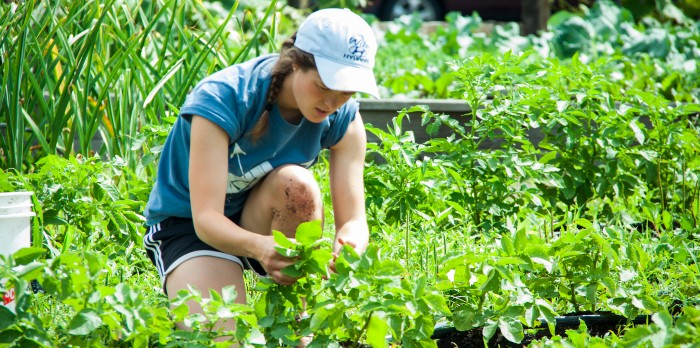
(234, 99)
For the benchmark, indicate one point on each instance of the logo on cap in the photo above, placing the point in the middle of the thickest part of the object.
(357, 49)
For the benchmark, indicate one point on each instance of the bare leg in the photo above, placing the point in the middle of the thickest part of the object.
(288, 196)
(204, 273)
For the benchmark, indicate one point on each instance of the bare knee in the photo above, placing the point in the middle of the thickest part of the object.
(288, 196)
(300, 193)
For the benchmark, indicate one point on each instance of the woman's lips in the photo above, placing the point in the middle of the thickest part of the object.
(322, 112)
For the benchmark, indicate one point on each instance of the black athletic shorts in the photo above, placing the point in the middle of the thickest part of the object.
(174, 241)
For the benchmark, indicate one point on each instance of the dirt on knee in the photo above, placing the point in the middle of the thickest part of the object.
(300, 200)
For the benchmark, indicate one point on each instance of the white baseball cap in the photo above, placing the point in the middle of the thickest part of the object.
(343, 46)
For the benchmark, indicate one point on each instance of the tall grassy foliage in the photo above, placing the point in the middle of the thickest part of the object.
(87, 76)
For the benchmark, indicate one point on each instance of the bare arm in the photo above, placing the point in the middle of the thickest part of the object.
(348, 189)
(208, 179)
(208, 175)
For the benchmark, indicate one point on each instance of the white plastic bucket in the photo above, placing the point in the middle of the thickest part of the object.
(17, 209)
(15, 230)
(9, 199)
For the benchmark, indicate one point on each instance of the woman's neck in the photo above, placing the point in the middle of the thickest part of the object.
(287, 104)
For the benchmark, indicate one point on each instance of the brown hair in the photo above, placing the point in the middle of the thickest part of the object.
(289, 56)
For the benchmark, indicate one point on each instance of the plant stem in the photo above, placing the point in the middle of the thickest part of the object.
(661, 189)
(408, 234)
(572, 288)
(364, 330)
(697, 203)
(482, 298)
(683, 183)
(595, 265)
(435, 258)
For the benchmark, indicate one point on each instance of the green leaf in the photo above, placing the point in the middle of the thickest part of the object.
(348, 260)
(10, 335)
(591, 293)
(31, 270)
(162, 82)
(376, 332)
(85, 322)
(546, 311)
(282, 330)
(419, 288)
(583, 223)
(493, 283)
(319, 318)
(319, 260)
(511, 329)
(179, 312)
(292, 271)
(229, 294)
(438, 303)
(667, 220)
(638, 133)
(286, 252)
(507, 245)
(610, 284)
(663, 319)
(309, 232)
(39, 337)
(95, 263)
(25, 255)
(531, 314)
(489, 330)
(282, 240)
(7, 318)
(465, 319)
(638, 336)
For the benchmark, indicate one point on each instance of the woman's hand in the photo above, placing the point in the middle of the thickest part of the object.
(273, 262)
(341, 241)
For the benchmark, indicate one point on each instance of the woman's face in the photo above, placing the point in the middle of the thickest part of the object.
(314, 100)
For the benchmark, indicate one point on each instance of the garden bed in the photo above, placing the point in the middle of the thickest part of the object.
(596, 325)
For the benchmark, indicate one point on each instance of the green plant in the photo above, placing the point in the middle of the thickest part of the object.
(664, 331)
(78, 306)
(217, 308)
(78, 72)
(86, 203)
(365, 301)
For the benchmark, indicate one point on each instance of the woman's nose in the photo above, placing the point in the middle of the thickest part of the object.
(331, 100)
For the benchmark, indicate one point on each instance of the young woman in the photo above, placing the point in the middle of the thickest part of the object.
(235, 165)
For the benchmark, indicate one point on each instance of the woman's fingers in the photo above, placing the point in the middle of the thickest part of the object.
(282, 279)
(275, 266)
(344, 241)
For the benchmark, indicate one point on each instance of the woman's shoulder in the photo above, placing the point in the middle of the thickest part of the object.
(244, 82)
(253, 73)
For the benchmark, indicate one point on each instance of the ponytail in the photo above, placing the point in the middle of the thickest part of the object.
(289, 56)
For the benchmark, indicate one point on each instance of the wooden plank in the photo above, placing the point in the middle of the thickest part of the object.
(535, 14)
(379, 113)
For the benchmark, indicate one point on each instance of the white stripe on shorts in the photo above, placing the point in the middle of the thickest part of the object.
(154, 247)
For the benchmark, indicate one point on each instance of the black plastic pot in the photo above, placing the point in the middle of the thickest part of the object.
(598, 324)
